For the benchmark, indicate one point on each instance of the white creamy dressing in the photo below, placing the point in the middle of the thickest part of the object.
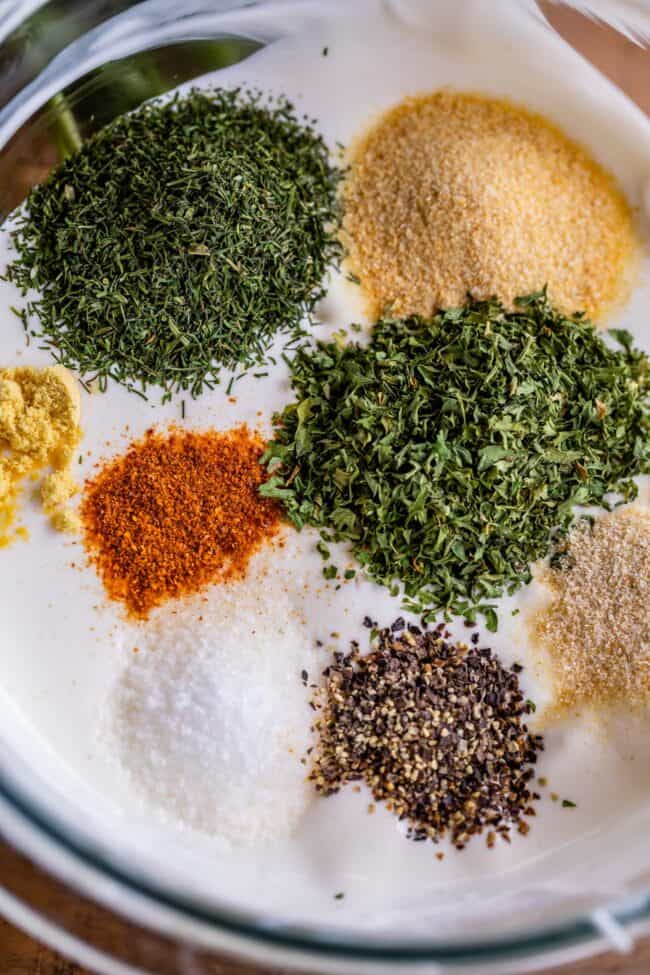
(62, 644)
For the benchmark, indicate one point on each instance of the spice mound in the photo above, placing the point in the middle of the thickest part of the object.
(596, 627)
(447, 451)
(39, 429)
(454, 194)
(179, 510)
(180, 238)
(209, 719)
(435, 730)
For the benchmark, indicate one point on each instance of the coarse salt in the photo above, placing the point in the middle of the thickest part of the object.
(210, 718)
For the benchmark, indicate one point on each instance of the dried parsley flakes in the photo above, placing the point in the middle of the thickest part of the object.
(447, 451)
(180, 238)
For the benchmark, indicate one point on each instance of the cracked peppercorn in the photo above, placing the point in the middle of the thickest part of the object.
(435, 729)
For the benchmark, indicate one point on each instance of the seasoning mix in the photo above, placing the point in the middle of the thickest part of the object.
(179, 510)
(448, 452)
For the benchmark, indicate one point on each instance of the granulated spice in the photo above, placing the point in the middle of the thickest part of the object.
(453, 195)
(208, 721)
(39, 428)
(596, 628)
(434, 729)
(179, 510)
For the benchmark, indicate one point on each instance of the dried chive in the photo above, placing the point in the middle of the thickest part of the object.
(180, 238)
(445, 451)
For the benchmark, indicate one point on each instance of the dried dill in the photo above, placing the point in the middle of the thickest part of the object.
(447, 451)
(179, 239)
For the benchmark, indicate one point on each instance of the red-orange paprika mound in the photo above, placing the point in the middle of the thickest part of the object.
(178, 511)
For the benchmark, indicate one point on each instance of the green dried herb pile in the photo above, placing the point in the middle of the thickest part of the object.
(180, 238)
(436, 730)
(447, 451)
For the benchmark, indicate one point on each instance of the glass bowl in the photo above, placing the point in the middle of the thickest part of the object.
(67, 68)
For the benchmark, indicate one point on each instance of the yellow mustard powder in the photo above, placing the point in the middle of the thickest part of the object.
(39, 429)
(57, 488)
(66, 520)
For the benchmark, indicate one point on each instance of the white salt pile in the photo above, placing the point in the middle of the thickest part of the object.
(210, 717)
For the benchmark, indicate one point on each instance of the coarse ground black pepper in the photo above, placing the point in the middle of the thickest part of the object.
(436, 731)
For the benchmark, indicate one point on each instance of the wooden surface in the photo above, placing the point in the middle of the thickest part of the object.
(629, 66)
(20, 955)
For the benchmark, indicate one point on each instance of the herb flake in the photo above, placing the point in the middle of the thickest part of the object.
(180, 239)
(445, 451)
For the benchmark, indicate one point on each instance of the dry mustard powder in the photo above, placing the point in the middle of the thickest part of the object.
(39, 429)
(452, 194)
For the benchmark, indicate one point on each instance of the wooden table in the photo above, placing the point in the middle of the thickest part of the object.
(629, 67)
(20, 955)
